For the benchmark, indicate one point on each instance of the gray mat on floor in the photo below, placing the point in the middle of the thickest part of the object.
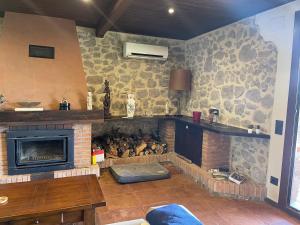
(139, 172)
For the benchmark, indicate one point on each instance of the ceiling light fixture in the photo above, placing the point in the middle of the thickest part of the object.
(171, 11)
(86, 1)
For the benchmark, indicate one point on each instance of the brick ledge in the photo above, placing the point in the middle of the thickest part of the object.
(93, 169)
(247, 191)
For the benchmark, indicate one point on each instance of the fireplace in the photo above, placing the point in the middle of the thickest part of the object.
(32, 151)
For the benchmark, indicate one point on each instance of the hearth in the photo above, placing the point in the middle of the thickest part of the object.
(31, 151)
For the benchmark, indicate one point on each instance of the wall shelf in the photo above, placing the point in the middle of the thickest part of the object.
(12, 118)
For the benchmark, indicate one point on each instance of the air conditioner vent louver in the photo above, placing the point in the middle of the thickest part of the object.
(143, 51)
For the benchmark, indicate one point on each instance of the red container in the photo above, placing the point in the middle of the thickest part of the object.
(196, 116)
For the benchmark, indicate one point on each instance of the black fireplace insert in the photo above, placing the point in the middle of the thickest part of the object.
(33, 151)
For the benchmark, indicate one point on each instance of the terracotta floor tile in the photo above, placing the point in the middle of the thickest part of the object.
(105, 217)
(115, 189)
(210, 218)
(152, 196)
(146, 207)
(132, 201)
(240, 217)
(143, 186)
(122, 201)
(128, 214)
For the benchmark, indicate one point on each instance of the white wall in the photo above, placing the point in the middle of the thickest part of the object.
(277, 25)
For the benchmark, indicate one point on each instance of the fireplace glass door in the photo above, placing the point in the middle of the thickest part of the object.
(35, 151)
(41, 151)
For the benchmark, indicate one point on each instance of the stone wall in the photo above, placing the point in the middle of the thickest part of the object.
(233, 70)
(147, 79)
(250, 157)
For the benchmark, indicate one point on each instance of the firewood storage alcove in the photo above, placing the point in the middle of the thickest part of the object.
(124, 138)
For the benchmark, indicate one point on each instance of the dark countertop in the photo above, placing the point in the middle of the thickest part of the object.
(215, 127)
(12, 118)
(221, 128)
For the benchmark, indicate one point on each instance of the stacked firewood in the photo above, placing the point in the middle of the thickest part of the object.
(122, 145)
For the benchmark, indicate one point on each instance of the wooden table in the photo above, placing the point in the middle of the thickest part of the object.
(50, 202)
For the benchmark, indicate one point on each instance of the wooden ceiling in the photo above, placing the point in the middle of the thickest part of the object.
(147, 17)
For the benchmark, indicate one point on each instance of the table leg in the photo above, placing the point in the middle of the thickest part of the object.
(89, 217)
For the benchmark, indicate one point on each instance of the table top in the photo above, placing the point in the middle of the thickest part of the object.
(50, 196)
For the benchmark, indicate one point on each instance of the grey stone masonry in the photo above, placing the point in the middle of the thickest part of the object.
(250, 157)
(148, 80)
(234, 70)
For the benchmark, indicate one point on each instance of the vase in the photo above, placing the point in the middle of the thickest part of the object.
(130, 106)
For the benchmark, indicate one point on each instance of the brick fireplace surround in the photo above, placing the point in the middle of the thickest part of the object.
(82, 155)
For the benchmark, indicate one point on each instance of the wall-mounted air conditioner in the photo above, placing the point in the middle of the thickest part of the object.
(143, 51)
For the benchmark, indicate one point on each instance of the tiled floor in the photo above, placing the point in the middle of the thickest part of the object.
(126, 202)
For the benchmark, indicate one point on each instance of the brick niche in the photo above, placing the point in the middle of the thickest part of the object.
(82, 153)
(167, 133)
(215, 150)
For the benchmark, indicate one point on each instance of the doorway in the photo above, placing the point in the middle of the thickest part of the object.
(289, 197)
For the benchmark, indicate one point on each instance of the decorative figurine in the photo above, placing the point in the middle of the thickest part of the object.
(106, 101)
(130, 106)
(2, 100)
(257, 129)
(89, 101)
(250, 129)
(64, 105)
(167, 110)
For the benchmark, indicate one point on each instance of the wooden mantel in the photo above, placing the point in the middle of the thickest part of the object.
(12, 118)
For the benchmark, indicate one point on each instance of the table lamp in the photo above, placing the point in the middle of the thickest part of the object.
(180, 81)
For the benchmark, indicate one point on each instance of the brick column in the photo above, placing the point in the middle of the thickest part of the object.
(82, 145)
(215, 150)
(167, 133)
(3, 151)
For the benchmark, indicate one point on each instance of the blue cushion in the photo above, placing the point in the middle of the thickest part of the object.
(171, 215)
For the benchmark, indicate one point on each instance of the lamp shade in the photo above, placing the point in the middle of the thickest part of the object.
(180, 80)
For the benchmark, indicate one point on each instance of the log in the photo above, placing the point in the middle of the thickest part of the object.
(154, 146)
(126, 154)
(111, 156)
(140, 148)
(113, 150)
(131, 152)
(147, 151)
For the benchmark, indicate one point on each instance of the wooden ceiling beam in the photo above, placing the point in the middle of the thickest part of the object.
(117, 11)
